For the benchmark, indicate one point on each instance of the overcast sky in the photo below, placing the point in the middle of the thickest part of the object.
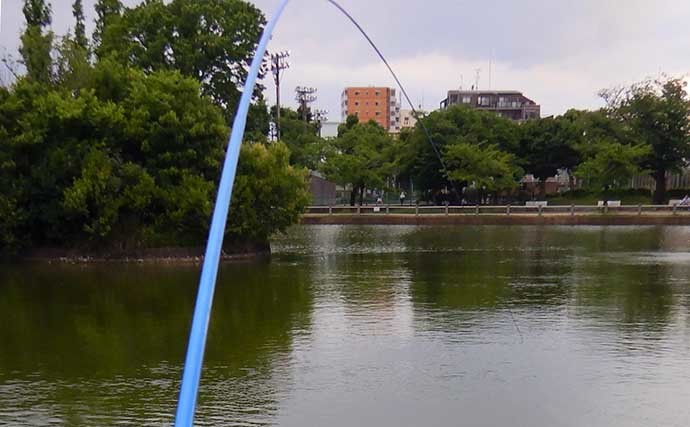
(558, 52)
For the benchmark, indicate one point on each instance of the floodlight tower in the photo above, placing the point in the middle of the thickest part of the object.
(279, 63)
(305, 96)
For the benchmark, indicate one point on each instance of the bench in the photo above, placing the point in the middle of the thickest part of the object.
(610, 203)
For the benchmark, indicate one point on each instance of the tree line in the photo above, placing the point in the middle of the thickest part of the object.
(643, 129)
(115, 141)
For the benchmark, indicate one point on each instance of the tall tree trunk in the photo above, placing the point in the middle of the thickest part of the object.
(353, 195)
(361, 195)
(542, 188)
(660, 191)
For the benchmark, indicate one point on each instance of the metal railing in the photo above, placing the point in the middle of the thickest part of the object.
(506, 210)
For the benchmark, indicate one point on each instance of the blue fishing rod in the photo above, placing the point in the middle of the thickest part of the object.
(191, 376)
(186, 405)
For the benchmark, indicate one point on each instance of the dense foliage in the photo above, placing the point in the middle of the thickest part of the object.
(107, 155)
(360, 157)
(644, 129)
(657, 114)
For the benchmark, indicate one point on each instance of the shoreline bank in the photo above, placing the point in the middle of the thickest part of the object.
(491, 219)
(169, 255)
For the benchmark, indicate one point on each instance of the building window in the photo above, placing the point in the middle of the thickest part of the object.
(356, 103)
(378, 93)
(484, 101)
(377, 103)
(378, 113)
(466, 99)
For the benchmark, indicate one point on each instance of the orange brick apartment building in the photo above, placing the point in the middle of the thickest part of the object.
(372, 103)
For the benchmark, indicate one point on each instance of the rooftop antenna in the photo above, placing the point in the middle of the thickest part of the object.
(462, 81)
(491, 63)
(478, 72)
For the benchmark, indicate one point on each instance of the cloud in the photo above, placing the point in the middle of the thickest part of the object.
(558, 52)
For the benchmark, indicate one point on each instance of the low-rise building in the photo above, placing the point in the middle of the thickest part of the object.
(506, 103)
(408, 119)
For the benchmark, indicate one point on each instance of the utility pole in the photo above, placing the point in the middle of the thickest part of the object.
(305, 96)
(278, 63)
(320, 116)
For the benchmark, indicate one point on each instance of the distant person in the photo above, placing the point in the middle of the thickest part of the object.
(402, 197)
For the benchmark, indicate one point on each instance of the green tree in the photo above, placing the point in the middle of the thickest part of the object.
(73, 66)
(307, 149)
(108, 14)
(79, 26)
(481, 166)
(548, 145)
(418, 159)
(360, 157)
(610, 165)
(37, 41)
(269, 194)
(657, 113)
(211, 41)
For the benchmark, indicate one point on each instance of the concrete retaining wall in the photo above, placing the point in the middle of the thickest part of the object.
(496, 220)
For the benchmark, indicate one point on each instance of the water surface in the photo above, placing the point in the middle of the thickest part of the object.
(373, 326)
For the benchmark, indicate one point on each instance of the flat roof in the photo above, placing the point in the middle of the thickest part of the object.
(488, 92)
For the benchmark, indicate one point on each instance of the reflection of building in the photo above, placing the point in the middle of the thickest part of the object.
(506, 103)
(372, 103)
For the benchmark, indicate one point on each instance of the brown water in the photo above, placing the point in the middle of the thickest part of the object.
(370, 326)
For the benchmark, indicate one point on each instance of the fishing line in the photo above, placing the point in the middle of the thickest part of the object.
(191, 376)
(417, 117)
(416, 114)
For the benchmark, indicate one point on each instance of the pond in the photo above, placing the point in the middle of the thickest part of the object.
(366, 326)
